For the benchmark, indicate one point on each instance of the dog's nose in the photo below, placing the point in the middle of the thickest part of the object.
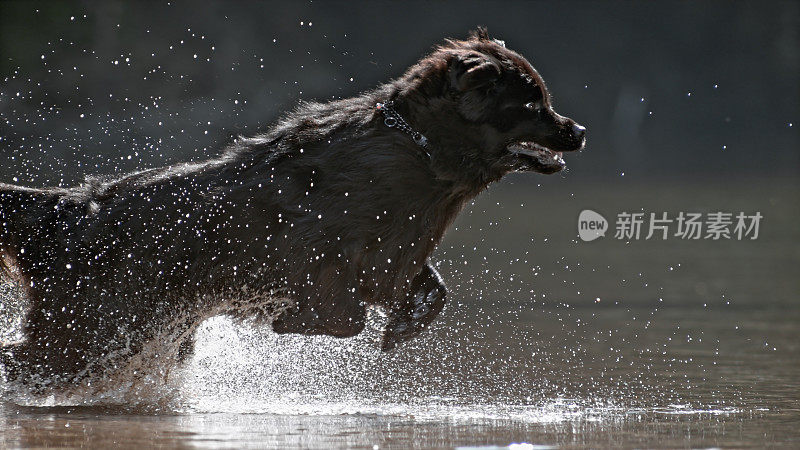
(578, 131)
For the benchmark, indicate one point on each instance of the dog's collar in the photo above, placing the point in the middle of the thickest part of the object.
(393, 119)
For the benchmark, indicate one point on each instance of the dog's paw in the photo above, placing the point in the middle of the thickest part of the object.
(419, 310)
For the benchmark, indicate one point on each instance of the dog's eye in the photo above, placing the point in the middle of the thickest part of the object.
(533, 106)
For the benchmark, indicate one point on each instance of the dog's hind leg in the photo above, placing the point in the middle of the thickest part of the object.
(424, 301)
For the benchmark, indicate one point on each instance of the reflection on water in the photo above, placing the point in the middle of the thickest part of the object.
(238, 430)
(613, 344)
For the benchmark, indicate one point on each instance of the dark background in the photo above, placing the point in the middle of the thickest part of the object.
(685, 90)
(690, 106)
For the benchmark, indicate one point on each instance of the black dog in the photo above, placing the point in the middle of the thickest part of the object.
(337, 207)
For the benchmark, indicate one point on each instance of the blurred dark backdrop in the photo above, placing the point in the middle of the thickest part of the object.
(666, 89)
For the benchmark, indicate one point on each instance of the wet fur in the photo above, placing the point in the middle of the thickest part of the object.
(327, 212)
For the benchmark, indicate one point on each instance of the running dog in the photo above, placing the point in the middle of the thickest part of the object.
(337, 207)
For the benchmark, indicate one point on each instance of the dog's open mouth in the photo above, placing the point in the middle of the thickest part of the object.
(531, 156)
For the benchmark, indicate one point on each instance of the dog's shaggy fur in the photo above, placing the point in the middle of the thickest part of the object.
(329, 211)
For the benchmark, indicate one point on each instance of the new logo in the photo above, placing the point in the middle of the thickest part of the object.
(591, 225)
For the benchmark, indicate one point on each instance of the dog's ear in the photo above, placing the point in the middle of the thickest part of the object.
(473, 70)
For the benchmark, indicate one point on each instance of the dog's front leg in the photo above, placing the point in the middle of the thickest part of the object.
(424, 301)
(337, 312)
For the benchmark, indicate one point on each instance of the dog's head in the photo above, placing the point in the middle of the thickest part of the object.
(502, 107)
